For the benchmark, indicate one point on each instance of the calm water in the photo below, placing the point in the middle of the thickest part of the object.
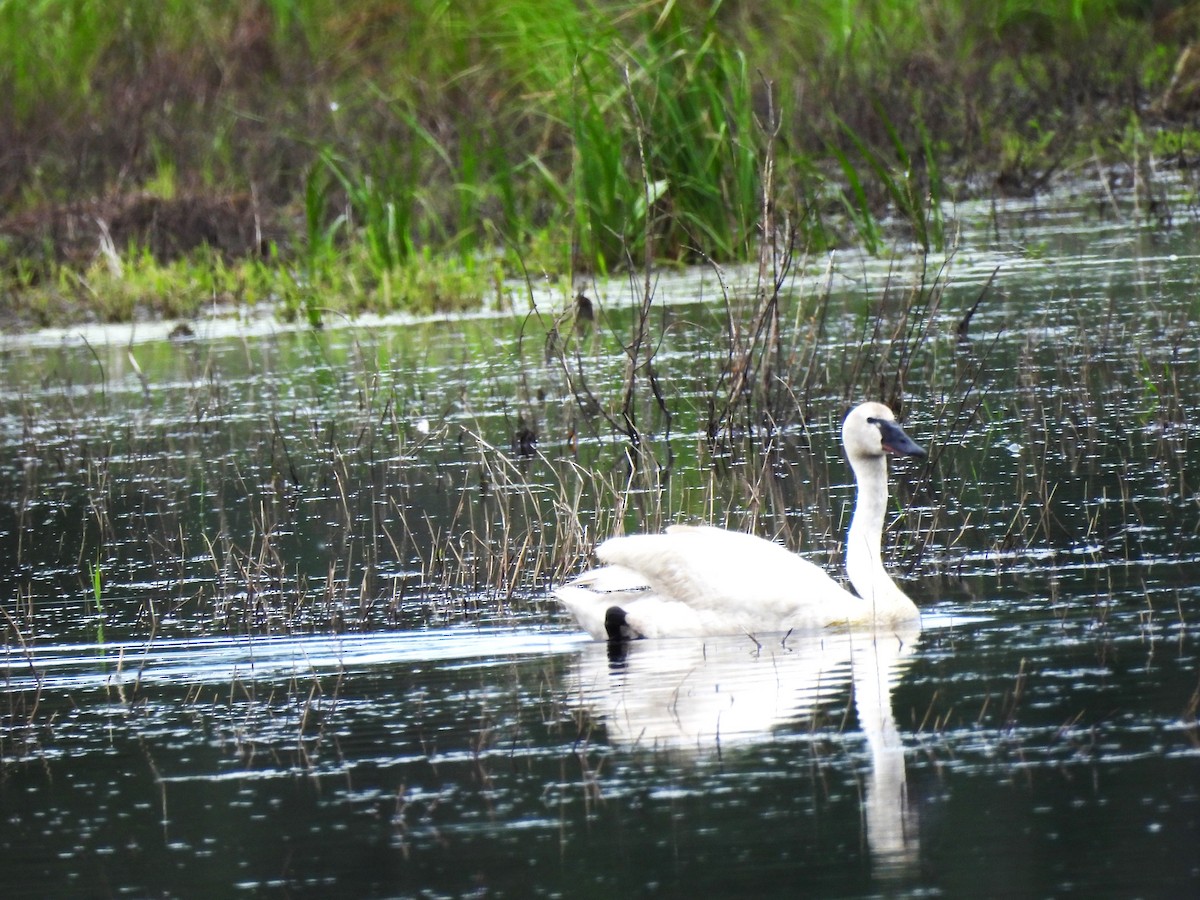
(323, 662)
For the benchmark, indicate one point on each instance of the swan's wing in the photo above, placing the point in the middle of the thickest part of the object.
(588, 608)
(611, 579)
(692, 529)
(741, 579)
(590, 596)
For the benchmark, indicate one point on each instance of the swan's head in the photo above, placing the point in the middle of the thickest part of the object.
(871, 432)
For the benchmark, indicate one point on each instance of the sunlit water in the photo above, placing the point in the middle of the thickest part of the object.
(323, 661)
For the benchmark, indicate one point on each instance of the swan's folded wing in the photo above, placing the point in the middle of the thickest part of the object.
(611, 579)
(590, 596)
(738, 577)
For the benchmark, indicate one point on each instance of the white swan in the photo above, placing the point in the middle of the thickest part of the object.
(694, 581)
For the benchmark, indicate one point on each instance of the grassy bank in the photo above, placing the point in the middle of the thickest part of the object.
(321, 156)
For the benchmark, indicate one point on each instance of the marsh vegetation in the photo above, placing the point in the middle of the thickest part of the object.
(161, 159)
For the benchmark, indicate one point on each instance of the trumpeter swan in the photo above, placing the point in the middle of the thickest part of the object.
(703, 580)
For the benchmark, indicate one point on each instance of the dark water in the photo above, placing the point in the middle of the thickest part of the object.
(323, 660)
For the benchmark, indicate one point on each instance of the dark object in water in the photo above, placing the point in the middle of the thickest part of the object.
(525, 439)
(584, 311)
(617, 626)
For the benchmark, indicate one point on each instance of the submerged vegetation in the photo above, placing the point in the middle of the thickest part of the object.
(162, 157)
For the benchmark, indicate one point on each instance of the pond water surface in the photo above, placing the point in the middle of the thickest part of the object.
(277, 621)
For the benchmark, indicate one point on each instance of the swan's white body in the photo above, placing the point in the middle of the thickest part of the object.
(695, 581)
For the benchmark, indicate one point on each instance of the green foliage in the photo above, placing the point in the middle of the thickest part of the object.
(666, 145)
(609, 198)
(98, 599)
(913, 184)
(381, 133)
(702, 137)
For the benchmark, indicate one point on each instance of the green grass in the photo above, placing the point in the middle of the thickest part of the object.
(578, 135)
(98, 599)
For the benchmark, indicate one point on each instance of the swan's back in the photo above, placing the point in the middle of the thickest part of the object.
(737, 580)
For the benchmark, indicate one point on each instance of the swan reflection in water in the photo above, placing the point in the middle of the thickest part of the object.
(699, 697)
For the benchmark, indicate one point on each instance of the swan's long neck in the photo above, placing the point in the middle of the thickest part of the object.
(864, 563)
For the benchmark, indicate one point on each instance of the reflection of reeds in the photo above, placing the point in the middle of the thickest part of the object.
(22, 711)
